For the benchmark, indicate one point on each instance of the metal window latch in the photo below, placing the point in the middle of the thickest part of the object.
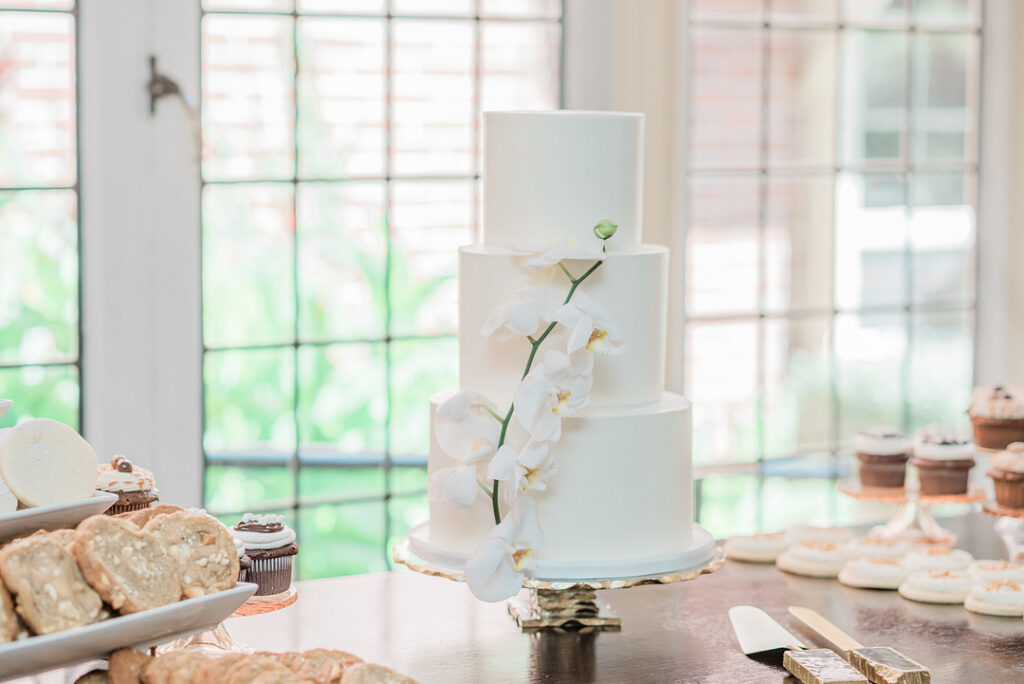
(159, 85)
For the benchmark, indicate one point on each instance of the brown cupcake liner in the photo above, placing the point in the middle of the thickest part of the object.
(1009, 488)
(127, 508)
(997, 433)
(943, 478)
(883, 471)
(271, 575)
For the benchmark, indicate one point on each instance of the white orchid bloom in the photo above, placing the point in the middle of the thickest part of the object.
(562, 250)
(467, 431)
(524, 471)
(496, 569)
(559, 386)
(591, 328)
(531, 311)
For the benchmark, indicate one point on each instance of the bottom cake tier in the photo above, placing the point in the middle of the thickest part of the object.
(620, 505)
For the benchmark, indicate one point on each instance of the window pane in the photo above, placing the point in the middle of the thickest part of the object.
(446, 8)
(38, 277)
(240, 489)
(37, 99)
(249, 5)
(519, 64)
(729, 504)
(801, 97)
(945, 88)
(405, 512)
(547, 9)
(942, 237)
(419, 368)
(343, 6)
(330, 483)
(722, 257)
(248, 97)
(731, 10)
(889, 12)
(248, 269)
(342, 261)
(249, 398)
(791, 499)
(725, 92)
(964, 12)
(341, 97)
(405, 480)
(802, 10)
(941, 340)
(41, 392)
(341, 540)
(38, 4)
(871, 355)
(874, 94)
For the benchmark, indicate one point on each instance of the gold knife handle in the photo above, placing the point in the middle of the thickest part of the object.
(884, 665)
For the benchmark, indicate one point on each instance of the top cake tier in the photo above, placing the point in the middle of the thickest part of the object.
(551, 176)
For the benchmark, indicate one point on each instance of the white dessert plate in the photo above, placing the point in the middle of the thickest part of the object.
(55, 517)
(139, 630)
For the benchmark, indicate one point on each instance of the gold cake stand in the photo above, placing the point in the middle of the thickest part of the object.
(914, 521)
(567, 605)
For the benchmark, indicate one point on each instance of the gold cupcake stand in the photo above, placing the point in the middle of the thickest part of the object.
(567, 605)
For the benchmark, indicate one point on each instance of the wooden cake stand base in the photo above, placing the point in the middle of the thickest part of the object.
(914, 520)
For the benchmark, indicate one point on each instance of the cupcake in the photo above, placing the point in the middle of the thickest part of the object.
(1007, 473)
(244, 562)
(943, 459)
(873, 573)
(270, 544)
(135, 487)
(997, 415)
(883, 453)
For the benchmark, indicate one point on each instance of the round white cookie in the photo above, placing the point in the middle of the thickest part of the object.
(8, 502)
(939, 559)
(878, 547)
(997, 571)
(45, 462)
(937, 586)
(756, 548)
(822, 535)
(812, 559)
(1005, 599)
(873, 573)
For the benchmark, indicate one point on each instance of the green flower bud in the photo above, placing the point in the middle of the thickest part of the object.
(605, 229)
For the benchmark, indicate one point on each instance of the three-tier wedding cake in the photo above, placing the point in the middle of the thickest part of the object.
(561, 456)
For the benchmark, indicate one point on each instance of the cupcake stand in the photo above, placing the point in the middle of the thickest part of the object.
(218, 640)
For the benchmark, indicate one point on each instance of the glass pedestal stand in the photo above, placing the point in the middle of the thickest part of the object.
(218, 641)
(914, 520)
(1009, 526)
(568, 605)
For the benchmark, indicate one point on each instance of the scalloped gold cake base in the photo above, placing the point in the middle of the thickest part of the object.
(562, 604)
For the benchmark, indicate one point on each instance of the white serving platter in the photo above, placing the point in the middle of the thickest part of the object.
(55, 517)
(139, 630)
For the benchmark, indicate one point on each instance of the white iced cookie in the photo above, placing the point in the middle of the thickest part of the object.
(938, 559)
(45, 462)
(996, 598)
(822, 535)
(997, 571)
(812, 559)
(937, 586)
(756, 548)
(873, 573)
(878, 547)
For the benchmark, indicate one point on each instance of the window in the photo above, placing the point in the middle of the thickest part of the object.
(341, 159)
(39, 282)
(830, 245)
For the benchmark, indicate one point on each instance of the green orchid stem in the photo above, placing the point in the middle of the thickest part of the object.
(483, 487)
(534, 346)
(566, 271)
(493, 414)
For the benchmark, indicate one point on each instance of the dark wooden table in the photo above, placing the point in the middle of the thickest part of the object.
(434, 630)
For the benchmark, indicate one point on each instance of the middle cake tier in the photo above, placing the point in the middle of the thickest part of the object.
(631, 286)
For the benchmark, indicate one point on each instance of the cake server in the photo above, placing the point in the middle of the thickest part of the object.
(759, 633)
(881, 664)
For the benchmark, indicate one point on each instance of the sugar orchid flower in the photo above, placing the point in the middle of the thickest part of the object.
(496, 569)
(467, 431)
(559, 386)
(590, 327)
(525, 470)
(561, 250)
(531, 311)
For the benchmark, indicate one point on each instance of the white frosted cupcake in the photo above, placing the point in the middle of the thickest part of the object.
(878, 547)
(812, 559)
(937, 586)
(134, 485)
(1004, 599)
(997, 416)
(997, 571)
(939, 559)
(883, 452)
(271, 546)
(756, 548)
(943, 458)
(873, 573)
(822, 535)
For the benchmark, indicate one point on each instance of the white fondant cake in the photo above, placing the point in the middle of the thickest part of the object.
(619, 502)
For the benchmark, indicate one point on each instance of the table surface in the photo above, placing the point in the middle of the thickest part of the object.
(434, 630)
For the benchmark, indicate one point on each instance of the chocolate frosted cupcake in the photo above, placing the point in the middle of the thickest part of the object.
(883, 453)
(270, 544)
(135, 487)
(997, 414)
(943, 459)
(1007, 473)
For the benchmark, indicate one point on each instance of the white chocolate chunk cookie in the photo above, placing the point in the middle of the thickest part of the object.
(45, 462)
(129, 568)
(203, 549)
(52, 594)
(8, 618)
(368, 673)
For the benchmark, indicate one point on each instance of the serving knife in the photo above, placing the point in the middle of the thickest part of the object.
(759, 633)
(881, 664)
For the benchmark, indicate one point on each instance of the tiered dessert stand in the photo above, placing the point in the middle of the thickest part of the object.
(1009, 526)
(914, 520)
(567, 605)
(218, 641)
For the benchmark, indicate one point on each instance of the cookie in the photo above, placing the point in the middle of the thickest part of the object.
(203, 549)
(873, 573)
(129, 568)
(996, 571)
(142, 518)
(812, 559)
(939, 558)
(174, 667)
(756, 548)
(51, 593)
(45, 462)
(8, 618)
(214, 669)
(321, 665)
(126, 666)
(937, 586)
(249, 669)
(1003, 599)
(93, 677)
(368, 673)
(8, 501)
